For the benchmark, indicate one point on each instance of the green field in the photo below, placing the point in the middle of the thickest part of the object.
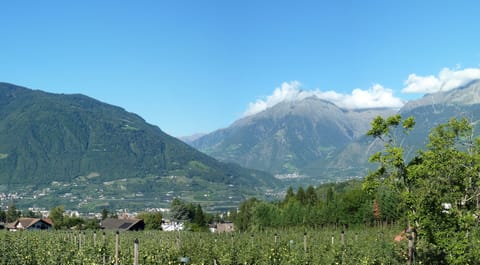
(314, 246)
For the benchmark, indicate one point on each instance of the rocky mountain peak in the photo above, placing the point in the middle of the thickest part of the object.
(468, 94)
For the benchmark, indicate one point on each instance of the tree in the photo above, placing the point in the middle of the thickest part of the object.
(449, 173)
(73, 222)
(244, 216)
(439, 188)
(104, 213)
(31, 214)
(179, 210)
(330, 195)
(293, 214)
(265, 215)
(389, 204)
(190, 212)
(301, 196)
(3, 216)
(113, 214)
(153, 221)
(57, 216)
(311, 196)
(392, 166)
(290, 195)
(92, 224)
(351, 202)
(199, 217)
(12, 213)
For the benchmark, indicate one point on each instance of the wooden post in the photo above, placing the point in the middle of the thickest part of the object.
(333, 239)
(305, 242)
(343, 237)
(94, 238)
(411, 245)
(79, 240)
(251, 238)
(478, 202)
(135, 252)
(275, 240)
(116, 248)
(356, 236)
(104, 249)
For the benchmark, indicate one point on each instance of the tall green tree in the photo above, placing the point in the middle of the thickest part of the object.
(351, 205)
(392, 167)
(389, 203)
(179, 210)
(57, 216)
(153, 221)
(293, 214)
(265, 215)
(311, 196)
(290, 195)
(447, 201)
(439, 188)
(12, 213)
(301, 198)
(104, 213)
(199, 216)
(3, 215)
(244, 216)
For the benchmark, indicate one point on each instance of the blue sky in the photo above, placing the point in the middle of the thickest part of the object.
(196, 66)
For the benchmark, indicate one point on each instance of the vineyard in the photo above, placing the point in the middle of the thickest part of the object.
(320, 246)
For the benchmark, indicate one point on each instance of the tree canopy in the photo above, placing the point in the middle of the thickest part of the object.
(439, 187)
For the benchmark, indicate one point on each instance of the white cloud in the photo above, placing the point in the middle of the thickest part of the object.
(375, 97)
(286, 92)
(446, 80)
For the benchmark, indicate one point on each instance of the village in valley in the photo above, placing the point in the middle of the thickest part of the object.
(121, 220)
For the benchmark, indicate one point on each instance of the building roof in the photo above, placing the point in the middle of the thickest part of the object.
(26, 222)
(121, 224)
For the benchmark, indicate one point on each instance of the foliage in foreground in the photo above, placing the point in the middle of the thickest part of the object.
(439, 187)
(325, 246)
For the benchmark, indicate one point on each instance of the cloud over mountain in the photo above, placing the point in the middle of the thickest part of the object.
(375, 97)
(447, 79)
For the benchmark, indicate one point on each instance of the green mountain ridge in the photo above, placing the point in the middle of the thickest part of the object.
(47, 138)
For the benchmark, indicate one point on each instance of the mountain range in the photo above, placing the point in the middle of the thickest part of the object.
(315, 138)
(86, 154)
(79, 143)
